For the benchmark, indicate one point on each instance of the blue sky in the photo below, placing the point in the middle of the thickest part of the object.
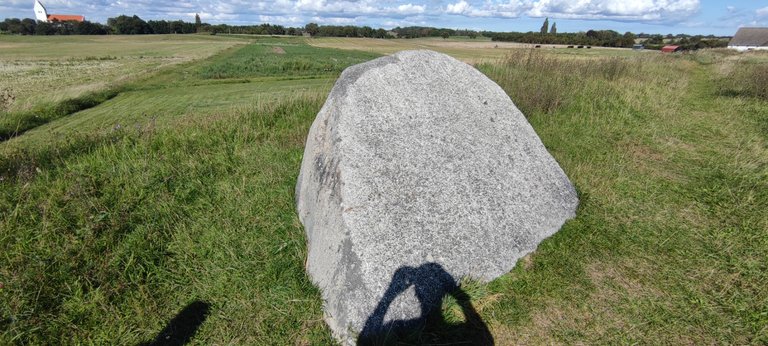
(719, 17)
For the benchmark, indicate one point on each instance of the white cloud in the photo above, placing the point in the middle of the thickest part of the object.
(410, 9)
(458, 8)
(335, 20)
(762, 12)
(292, 20)
(354, 8)
(389, 10)
(638, 10)
(410, 21)
(511, 9)
(624, 10)
(310, 5)
(388, 13)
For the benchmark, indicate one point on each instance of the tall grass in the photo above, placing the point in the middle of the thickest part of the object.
(542, 82)
(231, 66)
(746, 79)
(672, 185)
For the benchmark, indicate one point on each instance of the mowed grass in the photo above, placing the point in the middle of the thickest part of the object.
(107, 234)
(162, 107)
(49, 69)
(268, 68)
(268, 59)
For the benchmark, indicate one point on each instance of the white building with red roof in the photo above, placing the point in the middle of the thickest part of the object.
(41, 14)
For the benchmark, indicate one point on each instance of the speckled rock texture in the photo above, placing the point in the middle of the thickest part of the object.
(419, 159)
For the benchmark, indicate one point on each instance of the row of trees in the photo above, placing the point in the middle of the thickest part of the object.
(607, 38)
(262, 29)
(29, 26)
(133, 25)
(125, 25)
(603, 38)
(121, 25)
(610, 38)
(421, 31)
(686, 42)
(312, 29)
(344, 31)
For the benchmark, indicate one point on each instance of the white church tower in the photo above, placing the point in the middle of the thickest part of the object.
(40, 13)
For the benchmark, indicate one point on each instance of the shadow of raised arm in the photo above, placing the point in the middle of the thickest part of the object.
(431, 283)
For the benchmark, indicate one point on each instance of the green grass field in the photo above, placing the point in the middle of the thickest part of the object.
(179, 189)
(43, 69)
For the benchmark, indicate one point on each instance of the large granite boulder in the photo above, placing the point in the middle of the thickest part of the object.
(419, 165)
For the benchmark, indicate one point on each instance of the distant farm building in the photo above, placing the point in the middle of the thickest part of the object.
(41, 14)
(670, 49)
(750, 39)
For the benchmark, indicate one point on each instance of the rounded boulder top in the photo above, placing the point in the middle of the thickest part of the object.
(418, 158)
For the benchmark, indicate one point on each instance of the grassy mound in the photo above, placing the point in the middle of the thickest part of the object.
(108, 232)
(14, 124)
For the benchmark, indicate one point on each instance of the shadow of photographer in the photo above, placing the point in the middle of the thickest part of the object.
(180, 330)
(431, 284)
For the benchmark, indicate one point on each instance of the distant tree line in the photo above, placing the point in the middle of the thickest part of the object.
(344, 31)
(29, 26)
(125, 25)
(422, 31)
(686, 42)
(261, 29)
(120, 25)
(133, 25)
(607, 38)
(602, 38)
(547, 35)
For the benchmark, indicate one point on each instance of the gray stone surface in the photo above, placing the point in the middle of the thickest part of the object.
(418, 158)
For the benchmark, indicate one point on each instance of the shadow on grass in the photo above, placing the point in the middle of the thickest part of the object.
(431, 283)
(183, 326)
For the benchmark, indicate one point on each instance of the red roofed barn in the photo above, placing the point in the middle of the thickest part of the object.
(670, 49)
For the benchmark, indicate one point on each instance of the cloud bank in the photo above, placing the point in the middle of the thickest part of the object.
(381, 12)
